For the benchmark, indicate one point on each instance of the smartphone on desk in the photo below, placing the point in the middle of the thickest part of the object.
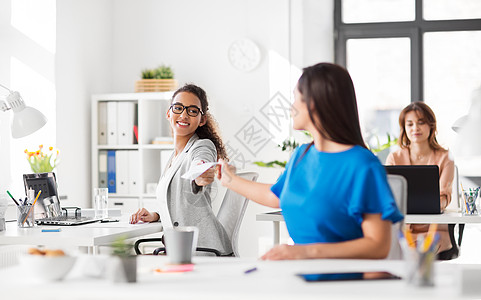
(348, 276)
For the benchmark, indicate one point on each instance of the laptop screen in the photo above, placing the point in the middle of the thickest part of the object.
(423, 187)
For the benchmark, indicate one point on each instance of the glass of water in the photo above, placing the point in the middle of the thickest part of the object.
(101, 199)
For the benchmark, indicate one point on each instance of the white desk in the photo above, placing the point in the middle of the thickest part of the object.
(224, 278)
(274, 217)
(88, 235)
(448, 217)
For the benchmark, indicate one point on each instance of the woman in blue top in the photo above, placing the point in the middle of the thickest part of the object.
(334, 193)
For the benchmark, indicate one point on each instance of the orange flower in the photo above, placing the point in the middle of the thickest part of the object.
(25, 151)
(41, 162)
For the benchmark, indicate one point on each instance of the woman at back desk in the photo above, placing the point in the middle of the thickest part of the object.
(419, 146)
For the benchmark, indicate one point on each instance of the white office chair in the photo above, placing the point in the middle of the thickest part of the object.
(232, 211)
(399, 188)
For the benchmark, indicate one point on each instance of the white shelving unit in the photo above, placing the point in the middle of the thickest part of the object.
(150, 118)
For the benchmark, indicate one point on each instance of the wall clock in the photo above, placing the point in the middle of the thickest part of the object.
(244, 55)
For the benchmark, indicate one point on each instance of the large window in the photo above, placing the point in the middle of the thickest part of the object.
(27, 60)
(400, 51)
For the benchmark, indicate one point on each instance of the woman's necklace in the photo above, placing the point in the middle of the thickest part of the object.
(418, 158)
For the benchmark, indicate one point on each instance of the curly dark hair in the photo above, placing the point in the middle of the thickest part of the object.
(210, 129)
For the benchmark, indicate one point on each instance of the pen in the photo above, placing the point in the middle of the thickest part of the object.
(250, 270)
(51, 230)
(409, 238)
(429, 237)
(16, 203)
(40, 191)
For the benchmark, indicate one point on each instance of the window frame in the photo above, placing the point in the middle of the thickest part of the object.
(414, 30)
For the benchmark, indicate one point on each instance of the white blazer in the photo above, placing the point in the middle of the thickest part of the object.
(182, 205)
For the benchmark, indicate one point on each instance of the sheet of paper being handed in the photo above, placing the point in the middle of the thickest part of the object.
(197, 170)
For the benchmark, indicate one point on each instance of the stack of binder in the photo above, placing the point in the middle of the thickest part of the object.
(119, 171)
(117, 123)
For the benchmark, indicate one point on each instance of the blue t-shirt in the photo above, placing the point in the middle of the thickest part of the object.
(324, 195)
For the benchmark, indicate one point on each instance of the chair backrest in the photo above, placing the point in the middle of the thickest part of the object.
(232, 209)
(399, 188)
(456, 191)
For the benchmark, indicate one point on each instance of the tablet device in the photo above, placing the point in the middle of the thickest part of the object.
(348, 276)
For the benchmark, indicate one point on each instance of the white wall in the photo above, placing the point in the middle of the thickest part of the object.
(102, 46)
(83, 68)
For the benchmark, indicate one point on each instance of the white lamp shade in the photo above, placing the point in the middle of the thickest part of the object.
(468, 142)
(27, 121)
(459, 123)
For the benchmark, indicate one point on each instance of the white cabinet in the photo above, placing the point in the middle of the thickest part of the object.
(125, 158)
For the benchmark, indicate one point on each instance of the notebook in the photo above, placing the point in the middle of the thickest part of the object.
(423, 187)
(48, 210)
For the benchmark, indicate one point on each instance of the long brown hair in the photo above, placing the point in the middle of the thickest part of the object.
(328, 92)
(210, 129)
(423, 111)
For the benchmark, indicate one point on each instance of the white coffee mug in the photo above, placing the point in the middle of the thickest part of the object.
(180, 243)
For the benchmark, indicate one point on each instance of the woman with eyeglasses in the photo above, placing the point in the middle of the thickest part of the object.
(185, 202)
(334, 193)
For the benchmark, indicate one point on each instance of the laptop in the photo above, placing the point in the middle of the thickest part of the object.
(48, 210)
(423, 187)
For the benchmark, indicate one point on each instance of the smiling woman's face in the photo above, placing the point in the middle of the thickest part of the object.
(183, 124)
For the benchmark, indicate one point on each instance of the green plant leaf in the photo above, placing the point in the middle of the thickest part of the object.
(271, 164)
(148, 74)
(120, 247)
(163, 72)
(390, 142)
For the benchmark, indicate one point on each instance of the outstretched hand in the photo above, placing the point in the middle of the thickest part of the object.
(225, 173)
(207, 177)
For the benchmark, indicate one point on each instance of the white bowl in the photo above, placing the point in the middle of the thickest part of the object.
(46, 268)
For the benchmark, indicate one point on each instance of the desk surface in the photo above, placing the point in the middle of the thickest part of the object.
(448, 217)
(224, 278)
(89, 235)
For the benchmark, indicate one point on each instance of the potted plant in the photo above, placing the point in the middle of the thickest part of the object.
(124, 261)
(160, 79)
(289, 144)
(42, 162)
(382, 150)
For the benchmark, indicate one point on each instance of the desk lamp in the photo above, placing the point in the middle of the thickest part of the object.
(26, 119)
(468, 143)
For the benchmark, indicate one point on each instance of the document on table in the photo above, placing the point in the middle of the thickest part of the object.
(196, 170)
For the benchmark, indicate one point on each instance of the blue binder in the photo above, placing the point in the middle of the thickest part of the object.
(112, 186)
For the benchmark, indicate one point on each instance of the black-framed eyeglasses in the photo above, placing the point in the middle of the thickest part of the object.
(192, 110)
